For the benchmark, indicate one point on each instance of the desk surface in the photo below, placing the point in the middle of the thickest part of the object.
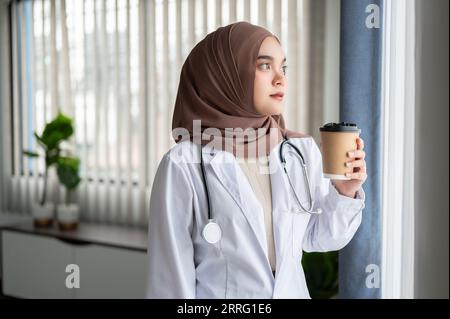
(86, 233)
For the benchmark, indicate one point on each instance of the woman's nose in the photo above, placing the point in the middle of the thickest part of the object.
(280, 79)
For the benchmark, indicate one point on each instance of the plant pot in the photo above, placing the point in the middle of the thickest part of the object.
(68, 216)
(43, 215)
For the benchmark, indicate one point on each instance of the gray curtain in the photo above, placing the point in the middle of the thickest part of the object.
(360, 102)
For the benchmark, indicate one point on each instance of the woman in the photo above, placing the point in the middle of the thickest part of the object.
(225, 167)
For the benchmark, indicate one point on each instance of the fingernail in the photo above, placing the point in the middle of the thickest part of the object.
(350, 154)
(348, 164)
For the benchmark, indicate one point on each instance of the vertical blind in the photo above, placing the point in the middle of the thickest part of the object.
(114, 65)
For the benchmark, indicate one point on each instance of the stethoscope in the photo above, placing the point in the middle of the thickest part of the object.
(212, 232)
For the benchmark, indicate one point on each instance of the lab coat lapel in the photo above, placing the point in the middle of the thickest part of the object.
(281, 203)
(224, 165)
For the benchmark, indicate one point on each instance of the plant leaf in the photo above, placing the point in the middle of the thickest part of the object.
(38, 138)
(321, 272)
(30, 154)
(67, 170)
(56, 131)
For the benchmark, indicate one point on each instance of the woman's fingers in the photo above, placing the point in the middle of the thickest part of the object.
(356, 164)
(360, 143)
(356, 154)
(358, 175)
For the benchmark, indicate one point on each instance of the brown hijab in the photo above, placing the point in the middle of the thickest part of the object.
(216, 87)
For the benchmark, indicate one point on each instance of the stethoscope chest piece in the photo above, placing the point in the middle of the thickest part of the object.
(212, 232)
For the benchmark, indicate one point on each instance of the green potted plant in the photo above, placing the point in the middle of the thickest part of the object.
(321, 273)
(55, 132)
(68, 212)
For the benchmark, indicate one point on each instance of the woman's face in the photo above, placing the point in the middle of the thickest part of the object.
(270, 78)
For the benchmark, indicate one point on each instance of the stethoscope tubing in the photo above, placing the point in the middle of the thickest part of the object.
(212, 231)
(208, 200)
(305, 178)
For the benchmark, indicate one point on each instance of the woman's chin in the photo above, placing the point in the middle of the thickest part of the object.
(277, 110)
(272, 109)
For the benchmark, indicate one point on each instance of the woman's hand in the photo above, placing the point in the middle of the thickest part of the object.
(358, 176)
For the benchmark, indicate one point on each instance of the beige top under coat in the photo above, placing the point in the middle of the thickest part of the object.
(257, 172)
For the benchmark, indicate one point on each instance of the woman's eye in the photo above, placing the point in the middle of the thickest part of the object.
(267, 64)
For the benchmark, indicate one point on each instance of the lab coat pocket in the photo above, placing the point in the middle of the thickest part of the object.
(211, 276)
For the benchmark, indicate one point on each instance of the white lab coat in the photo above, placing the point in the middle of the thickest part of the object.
(181, 264)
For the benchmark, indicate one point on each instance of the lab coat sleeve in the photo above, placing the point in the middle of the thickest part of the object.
(170, 253)
(341, 215)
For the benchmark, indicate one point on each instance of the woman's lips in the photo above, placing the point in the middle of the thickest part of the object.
(277, 97)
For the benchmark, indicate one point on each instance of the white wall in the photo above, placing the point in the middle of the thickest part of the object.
(432, 161)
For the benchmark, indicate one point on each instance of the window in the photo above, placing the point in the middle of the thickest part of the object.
(114, 65)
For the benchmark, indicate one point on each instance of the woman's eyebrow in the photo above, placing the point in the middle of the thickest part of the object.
(268, 57)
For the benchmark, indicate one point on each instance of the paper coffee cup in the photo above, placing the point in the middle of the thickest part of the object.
(337, 139)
